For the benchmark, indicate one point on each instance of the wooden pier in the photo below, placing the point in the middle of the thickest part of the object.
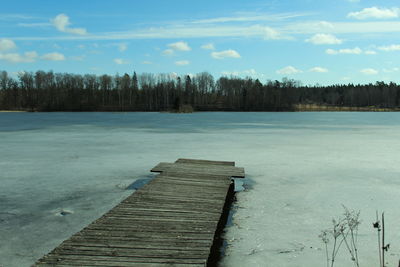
(173, 220)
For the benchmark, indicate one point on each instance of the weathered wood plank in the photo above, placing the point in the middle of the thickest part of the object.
(206, 162)
(143, 196)
(84, 260)
(195, 196)
(178, 181)
(165, 214)
(170, 221)
(200, 168)
(186, 246)
(148, 200)
(68, 249)
(181, 242)
(161, 194)
(168, 207)
(172, 180)
(185, 189)
(154, 220)
(211, 178)
(118, 264)
(151, 228)
(122, 220)
(180, 210)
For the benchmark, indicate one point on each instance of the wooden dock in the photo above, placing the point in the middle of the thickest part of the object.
(174, 220)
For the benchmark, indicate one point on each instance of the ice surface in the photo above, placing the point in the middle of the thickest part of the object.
(60, 171)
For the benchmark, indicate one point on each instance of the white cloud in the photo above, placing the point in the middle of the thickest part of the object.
(27, 57)
(284, 30)
(331, 51)
(342, 27)
(310, 27)
(168, 52)
(322, 38)
(120, 61)
(390, 48)
(61, 22)
(209, 46)
(245, 73)
(318, 69)
(370, 52)
(376, 13)
(182, 62)
(4, 16)
(225, 54)
(391, 70)
(288, 70)
(314, 26)
(7, 44)
(246, 17)
(354, 51)
(179, 46)
(177, 31)
(35, 25)
(122, 47)
(369, 71)
(272, 34)
(221, 31)
(147, 62)
(55, 56)
(324, 24)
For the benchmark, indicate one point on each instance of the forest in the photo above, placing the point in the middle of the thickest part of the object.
(49, 91)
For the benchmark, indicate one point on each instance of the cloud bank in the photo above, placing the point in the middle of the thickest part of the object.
(61, 22)
(225, 54)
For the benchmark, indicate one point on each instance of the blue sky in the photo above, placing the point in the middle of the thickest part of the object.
(313, 41)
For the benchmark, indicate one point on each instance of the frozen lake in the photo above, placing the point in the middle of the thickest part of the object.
(60, 171)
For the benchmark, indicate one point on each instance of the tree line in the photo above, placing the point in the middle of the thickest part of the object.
(49, 91)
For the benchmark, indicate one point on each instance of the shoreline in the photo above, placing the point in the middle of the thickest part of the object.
(321, 108)
(8, 111)
(296, 108)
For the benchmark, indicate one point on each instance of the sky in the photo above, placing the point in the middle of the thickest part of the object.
(324, 42)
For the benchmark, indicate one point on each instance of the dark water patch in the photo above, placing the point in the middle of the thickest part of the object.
(239, 185)
(217, 249)
(65, 212)
(243, 184)
(229, 221)
(139, 183)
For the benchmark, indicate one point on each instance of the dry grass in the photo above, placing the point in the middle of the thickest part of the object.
(344, 231)
(314, 107)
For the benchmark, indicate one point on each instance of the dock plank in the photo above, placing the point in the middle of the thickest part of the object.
(200, 169)
(170, 221)
(206, 162)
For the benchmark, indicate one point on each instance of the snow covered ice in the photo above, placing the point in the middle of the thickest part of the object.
(60, 171)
